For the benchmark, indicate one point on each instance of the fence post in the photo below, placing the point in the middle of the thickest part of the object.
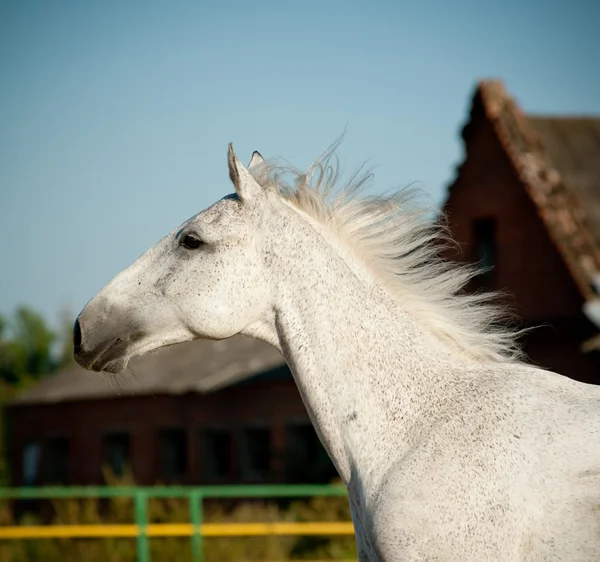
(196, 516)
(141, 519)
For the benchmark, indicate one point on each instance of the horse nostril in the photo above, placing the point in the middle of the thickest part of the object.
(76, 338)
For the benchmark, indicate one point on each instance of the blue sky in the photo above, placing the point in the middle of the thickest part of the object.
(115, 116)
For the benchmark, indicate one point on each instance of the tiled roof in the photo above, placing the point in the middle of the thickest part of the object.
(572, 145)
(199, 366)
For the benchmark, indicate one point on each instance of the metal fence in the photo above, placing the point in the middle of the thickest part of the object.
(196, 529)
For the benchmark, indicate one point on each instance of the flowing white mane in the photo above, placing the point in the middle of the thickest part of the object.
(401, 246)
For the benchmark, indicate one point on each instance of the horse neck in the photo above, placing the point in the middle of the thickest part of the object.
(362, 366)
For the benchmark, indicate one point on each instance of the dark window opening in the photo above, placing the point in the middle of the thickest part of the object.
(173, 454)
(484, 238)
(256, 454)
(216, 453)
(31, 463)
(56, 460)
(117, 452)
(306, 459)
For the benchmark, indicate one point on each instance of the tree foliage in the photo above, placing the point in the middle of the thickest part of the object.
(27, 346)
(29, 349)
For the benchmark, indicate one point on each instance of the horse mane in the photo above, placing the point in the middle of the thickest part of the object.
(401, 246)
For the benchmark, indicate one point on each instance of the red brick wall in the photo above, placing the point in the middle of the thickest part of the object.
(529, 266)
(557, 347)
(273, 404)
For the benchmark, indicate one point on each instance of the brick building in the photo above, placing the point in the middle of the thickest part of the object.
(204, 412)
(526, 202)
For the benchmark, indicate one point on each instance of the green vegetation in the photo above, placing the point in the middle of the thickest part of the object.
(29, 350)
(27, 347)
(120, 511)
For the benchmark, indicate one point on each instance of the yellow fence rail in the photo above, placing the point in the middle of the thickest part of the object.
(142, 530)
(175, 530)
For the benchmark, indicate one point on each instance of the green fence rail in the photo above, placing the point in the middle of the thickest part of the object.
(196, 529)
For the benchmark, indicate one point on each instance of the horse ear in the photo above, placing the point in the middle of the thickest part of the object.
(259, 169)
(256, 159)
(245, 185)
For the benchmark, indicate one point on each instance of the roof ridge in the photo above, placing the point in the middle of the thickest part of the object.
(564, 116)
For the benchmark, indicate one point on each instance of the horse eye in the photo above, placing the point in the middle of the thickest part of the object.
(191, 242)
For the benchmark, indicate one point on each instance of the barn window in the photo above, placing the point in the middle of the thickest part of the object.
(117, 448)
(256, 453)
(173, 454)
(484, 243)
(31, 463)
(306, 459)
(216, 453)
(56, 460)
